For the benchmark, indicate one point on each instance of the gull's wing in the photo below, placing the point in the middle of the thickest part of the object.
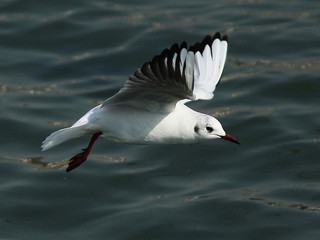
(177, 73)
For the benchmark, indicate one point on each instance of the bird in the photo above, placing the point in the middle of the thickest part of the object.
(151, 106)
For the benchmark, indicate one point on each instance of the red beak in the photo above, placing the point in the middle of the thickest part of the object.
(230, 138)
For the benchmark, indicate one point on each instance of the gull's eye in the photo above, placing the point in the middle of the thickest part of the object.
(209, 128)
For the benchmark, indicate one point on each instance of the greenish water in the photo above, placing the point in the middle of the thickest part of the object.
(60, 58)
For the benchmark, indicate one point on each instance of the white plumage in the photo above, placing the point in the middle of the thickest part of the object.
(150, 108)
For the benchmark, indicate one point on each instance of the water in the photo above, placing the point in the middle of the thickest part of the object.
(59, 59)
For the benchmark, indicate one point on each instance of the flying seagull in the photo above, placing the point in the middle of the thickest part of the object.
(150, 107)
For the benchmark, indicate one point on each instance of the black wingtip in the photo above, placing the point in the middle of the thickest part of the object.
(217, 35)
(225, 38)
(207, 40)
(183, 45)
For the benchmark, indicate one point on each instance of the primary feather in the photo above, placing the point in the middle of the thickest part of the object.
(177, 73)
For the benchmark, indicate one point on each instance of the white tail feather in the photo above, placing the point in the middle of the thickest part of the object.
(80, 128)
(61, 136)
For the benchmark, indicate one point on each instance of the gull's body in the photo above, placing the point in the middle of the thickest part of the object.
(150, 108)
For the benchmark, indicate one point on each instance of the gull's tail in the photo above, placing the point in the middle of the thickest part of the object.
(81, 128)
(61, 136)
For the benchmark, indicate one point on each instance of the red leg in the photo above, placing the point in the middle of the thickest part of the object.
(78, 159)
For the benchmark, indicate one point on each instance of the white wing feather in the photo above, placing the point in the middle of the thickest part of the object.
(208, 69)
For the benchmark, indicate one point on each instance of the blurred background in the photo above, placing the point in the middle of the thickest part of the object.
(61, 58)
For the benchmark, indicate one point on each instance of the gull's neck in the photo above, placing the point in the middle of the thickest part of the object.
(176, 127)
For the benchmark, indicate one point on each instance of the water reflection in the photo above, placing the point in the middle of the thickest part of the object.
(36, 161)
(254, 111)
(299, 206)
(298, 64)
(58, 165)
(6, 89)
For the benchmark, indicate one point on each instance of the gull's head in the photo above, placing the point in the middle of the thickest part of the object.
(208, 127)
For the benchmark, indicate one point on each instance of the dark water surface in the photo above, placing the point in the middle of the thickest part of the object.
(60, 58)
